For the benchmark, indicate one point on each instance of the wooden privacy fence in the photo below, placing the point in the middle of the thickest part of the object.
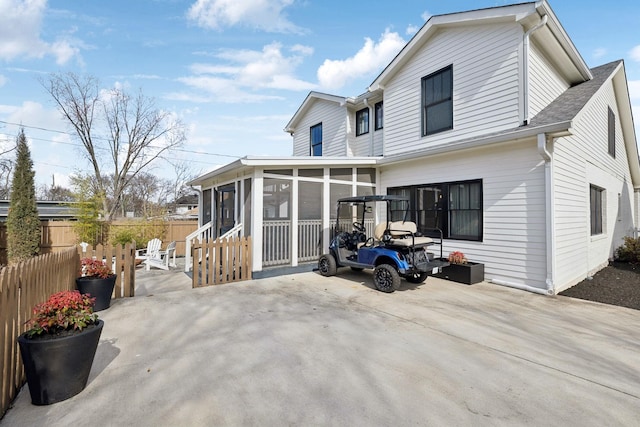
(22, 287)
(123, 262)
(221, 261)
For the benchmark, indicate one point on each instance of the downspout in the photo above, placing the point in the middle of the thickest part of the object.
(525, 66)
(549, 211)
(366, 104)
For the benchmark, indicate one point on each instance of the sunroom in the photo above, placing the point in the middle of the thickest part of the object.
(286, 204)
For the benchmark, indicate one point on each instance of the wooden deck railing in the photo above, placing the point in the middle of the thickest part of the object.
(223, 261)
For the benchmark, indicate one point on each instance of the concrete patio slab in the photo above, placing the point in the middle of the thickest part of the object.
(309, 350)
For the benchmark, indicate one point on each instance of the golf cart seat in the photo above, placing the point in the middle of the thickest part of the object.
(402, 234)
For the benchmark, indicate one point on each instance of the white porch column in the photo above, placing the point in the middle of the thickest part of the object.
(294, 219)
(326, 212)
(256, 217)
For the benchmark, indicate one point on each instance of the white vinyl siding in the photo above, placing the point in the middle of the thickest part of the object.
(334, 129)
(485, 61)
(545, 84)
(582, 160)
(513, 247)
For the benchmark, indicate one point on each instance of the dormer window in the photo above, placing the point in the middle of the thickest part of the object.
(437, 101)
(362, 121)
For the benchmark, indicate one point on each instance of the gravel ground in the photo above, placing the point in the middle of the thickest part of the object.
(617, 284)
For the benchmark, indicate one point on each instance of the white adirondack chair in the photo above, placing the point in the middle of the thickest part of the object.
(152, 250)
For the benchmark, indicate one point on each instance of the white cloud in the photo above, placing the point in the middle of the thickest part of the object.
(265, 15)
(20, 25)
(245, 73)
(635, 53)
(333, 74)
(3, 80)
(599, 52)
(634, 89)
(411, 30)
(426, 15)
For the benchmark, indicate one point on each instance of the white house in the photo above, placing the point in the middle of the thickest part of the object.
(490, 122)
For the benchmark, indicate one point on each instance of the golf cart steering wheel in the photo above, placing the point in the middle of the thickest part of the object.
(359, 227)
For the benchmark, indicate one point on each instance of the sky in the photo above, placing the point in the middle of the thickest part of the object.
(235, 71)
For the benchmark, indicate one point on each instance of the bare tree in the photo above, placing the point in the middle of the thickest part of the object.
(121, 134)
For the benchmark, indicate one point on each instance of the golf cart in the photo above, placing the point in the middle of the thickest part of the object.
(393, 249)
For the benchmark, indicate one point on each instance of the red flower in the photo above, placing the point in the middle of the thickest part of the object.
(64, 311)
(96, 268)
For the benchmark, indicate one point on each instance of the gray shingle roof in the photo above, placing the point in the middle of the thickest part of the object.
(569, 104)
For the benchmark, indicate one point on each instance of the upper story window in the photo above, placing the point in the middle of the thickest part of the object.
(362, 121)
(612, 133)
(437, 101)
(378, 115)
(316, 140)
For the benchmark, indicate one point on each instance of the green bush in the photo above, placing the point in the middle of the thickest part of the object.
(630, 251)
(139, 231)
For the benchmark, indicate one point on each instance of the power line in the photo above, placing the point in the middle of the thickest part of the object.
(183, 150)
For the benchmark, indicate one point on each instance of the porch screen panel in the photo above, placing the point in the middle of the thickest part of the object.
(247, 207)
(206, 206)
(339, 191)
(276, 242)
(309, 221)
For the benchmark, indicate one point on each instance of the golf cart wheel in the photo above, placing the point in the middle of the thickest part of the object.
(327, 265)
(416, 277)
(386, 278)
(357, 268)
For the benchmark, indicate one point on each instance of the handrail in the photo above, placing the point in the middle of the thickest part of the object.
(199, 233)
(234, 230)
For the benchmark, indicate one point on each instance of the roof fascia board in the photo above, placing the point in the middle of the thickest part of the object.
(563, 39)
(311, 98)
(290, 161)
(621, 90)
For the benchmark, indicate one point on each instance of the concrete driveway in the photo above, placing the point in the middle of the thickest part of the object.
(307, 350)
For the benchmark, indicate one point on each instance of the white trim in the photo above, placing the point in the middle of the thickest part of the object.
(257, 213)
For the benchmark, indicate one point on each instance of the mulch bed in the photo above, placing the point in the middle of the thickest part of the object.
(618, 284)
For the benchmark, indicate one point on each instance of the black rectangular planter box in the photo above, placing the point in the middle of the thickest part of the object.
(470, 273)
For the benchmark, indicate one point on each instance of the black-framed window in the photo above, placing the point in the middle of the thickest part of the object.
(437, 101)
(453, 207)
(378, 115)
(362, 121)
(316, 140)
(596, 198)
(612, 133)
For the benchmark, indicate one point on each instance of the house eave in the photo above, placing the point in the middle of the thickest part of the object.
(311, 98)
(555, 130)
(283, 161)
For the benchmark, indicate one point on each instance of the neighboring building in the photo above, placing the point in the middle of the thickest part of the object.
(185, 207)
(490, 122)
(47, 210)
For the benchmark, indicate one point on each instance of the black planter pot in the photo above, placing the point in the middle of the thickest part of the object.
(58, 368)
(470, 273)
(99, 288)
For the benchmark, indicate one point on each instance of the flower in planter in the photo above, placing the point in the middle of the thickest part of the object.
(95, 268)
(457, 257)
(63, 311)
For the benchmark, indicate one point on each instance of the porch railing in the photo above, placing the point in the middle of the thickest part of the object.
(276, 242)
(309, 240)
